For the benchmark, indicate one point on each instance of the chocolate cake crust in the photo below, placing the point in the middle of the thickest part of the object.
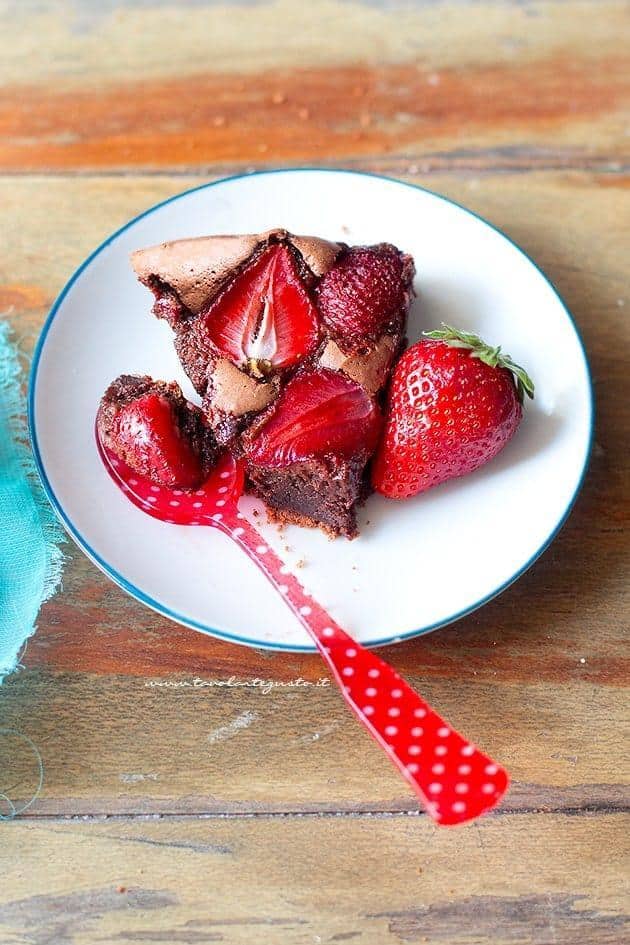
(197, 269)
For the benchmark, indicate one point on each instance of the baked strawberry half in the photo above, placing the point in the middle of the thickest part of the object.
(152, 427)
(318, 413)
(264, 320)
(366, 292)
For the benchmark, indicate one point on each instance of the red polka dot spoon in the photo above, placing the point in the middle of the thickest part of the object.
(455, 780)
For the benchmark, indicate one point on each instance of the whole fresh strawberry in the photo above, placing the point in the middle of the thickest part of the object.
(454, 402)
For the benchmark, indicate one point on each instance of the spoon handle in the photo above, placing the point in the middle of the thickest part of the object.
(455, 780)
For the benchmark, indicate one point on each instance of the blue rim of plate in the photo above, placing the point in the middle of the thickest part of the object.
(139, 595)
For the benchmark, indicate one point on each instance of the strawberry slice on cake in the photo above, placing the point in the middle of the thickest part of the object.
(263, 321)
(307, 454)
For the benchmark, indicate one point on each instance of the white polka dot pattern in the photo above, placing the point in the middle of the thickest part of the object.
(442, 767)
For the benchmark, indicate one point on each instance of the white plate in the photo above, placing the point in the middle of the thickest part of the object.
(418, 564)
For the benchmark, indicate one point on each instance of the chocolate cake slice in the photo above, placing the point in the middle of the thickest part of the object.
(290, 341)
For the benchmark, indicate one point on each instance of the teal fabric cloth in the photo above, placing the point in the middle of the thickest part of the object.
(31, 559)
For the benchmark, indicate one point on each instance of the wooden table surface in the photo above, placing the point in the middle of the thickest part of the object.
(174, 812)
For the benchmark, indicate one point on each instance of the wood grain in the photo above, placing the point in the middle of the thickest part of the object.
(301, 115)
(486, 86)
(118, 38)
(360, 878)
(186, 744)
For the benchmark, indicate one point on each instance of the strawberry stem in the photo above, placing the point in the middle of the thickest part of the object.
(493, 357)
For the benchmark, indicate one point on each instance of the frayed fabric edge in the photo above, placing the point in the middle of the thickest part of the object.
(52, 534)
